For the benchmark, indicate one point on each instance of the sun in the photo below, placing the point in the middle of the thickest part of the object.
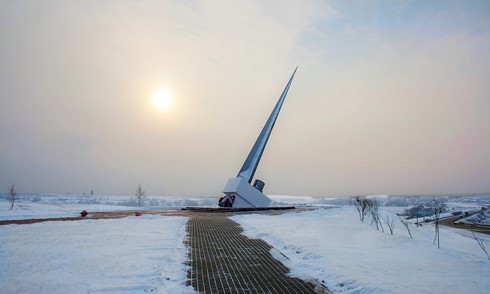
(162, 100)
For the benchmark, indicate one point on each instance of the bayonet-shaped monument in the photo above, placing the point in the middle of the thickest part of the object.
(245, 194)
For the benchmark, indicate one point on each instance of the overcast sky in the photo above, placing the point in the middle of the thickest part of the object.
(390, 97)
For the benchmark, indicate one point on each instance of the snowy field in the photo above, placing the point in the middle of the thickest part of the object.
(147, 254)
(334, 247)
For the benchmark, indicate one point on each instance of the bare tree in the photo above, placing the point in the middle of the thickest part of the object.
(481, 244)
(140, 194)
(405, 223)
(12, 195)
(390, 222)
(437, 215)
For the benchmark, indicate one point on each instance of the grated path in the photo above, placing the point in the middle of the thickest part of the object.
(225, 261)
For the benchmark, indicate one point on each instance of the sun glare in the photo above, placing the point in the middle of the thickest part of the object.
(163, 100)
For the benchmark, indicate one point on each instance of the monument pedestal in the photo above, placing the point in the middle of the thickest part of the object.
(246, 195)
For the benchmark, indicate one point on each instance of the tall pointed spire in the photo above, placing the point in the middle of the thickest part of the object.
(251, 163)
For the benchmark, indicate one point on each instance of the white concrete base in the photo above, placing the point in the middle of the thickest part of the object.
(246, 195)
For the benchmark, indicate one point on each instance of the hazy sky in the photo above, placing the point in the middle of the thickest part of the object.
(391, 97)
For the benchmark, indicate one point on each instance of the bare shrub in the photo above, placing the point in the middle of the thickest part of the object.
(373, 208)
(370, 207)
(481, 244)
(360, 202)
(390, 222)
(406, 225)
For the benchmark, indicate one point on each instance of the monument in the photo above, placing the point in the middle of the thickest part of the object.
(245, 194)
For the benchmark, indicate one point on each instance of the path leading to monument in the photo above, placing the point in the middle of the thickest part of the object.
(225, 261)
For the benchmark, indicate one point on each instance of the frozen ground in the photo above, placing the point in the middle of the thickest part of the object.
(141, 254)
(333, 246)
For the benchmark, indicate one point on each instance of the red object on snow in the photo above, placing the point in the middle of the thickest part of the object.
(137, 213)
(84, 213)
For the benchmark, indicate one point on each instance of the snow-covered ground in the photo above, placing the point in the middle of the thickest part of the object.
(141, 254)
(28, 210)
(481, 218)
(333, 246)
(130, 255)
(59, 205)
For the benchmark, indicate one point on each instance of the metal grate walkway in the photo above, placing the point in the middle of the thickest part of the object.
(225, 261)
